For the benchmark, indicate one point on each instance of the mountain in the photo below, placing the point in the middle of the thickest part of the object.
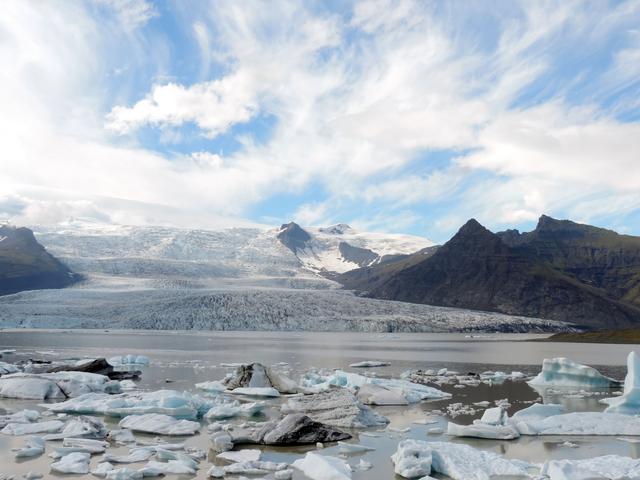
(561, 270)
(26, 265)
(339, 248)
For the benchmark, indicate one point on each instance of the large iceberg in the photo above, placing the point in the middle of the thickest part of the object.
(402, 390)
(336, 407)
(256, 379)
(563, 372)
(457, 461)
(58, 385)
(629, 402)
(610, 467)
(167, 402)
(323, 467)
(580, 423)
(160, 424)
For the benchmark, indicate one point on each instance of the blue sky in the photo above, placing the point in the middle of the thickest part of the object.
(395, 116)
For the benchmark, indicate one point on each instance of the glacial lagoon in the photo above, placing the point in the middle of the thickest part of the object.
(179, 360)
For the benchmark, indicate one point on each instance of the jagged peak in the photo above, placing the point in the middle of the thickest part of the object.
(337, 229)
(472, 226)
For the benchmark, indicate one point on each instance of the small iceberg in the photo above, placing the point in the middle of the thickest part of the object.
(612, 467)
(33, 447)
(563, 372)
(369, 364)
(323, 467)
(76, 462)
(494, 424)
(629, 402)
(159, 424)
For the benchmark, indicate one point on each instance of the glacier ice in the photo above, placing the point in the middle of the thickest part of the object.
(246, 455)
(32, 428)
(160, 424)
(76, 462)
(563, 372)
(408, 392)
(256, 391)
(629, 402)
(256, 379)
(344, 447)
(580, 423)
(610, 467)
(30, 388)
(337, 407)
(323, 467)
(412, 459)
(33, 447)
(80, 427)
(58, 385)
(229, 409)
(124, 474)
(23, 416)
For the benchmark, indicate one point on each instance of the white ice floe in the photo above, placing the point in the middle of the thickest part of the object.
(7, 368)
(135, 455)
(58, 385)
(171, 467)
(124, 474)
(629, 402)
(256, 391)
(128, 385)
(29, 388)
(408, 392)
(121, 437)
(458, 461)
(128, 362)
(23, 416)
(33, 447)
(160, 424)
(337, 407)
(76, 462)
(229, 409)
(344, 447)
(494, 424)
(212, 387)
(257, 376)
(167, 402)
(81, 427)
(610, 467)
(369, 364)
(323, 467)
(33, 428)
(70, 445)
(286, 474)
(412, 459)
(563, 372)
(246, 455)
(581, 423)
(254, 467)
(102, 469)
(537, 411)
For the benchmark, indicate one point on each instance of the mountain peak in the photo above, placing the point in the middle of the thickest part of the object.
(337, 229)
(293, 236)
(472, 226)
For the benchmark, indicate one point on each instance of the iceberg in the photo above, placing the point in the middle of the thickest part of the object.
(211, 387)
(29, 388)
(225, 410)
(77, 462)
(246, 455)
(7, 368)
(121, 437)
(135, 455)
(407, 392)
(336, 407)
(581, 423)
(344, 447)
(124, 474)
(58, 385)
(323, 467)
(257, 376)
(256, 391)
(537, 411)
(32, 428)
(102, 469)
(563, 372)
(160, 424)
(128, 362)
(494, 424)
(166, 402)
(412, 459)
(23, 416)
(611, 467)
(171, 467)
(629, 402)
(369, 364)
(81, 427)
(33, 447)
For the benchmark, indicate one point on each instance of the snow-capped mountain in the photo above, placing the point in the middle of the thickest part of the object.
(232, 253)
(339, 248)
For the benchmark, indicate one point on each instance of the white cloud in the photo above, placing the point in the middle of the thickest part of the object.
(132, 13)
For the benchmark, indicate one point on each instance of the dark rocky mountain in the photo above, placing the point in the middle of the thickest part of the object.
(293, 236)
(26, 265)
(561, 270)
(360, 256)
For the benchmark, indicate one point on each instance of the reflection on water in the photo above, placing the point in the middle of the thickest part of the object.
(179, 360)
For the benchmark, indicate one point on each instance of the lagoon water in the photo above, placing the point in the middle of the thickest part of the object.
(181, 359)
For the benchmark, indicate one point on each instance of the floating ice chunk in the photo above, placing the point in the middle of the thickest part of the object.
(127, 362)
(33, 447)
(254, 467)
(409, 391)
(23, 416)
(211, 387)
(32, 428)
(81, 427)
(161, 424)
(77, 462)
(121, 436)
(344, 447)
(171, 467)
(370, 394)
(323, 467)
(70, 445)
(128, 385)
(580, 423)
(336, 407)
(167, 402)
(629, 402)
(538, 411)
(369, 364)
(134, 456)
(102, 469)
(124, 474)
(462, 462)
(494, 416)
(234, 409)
(7, 368)
(256, 391)
(29, 388)
(563, 372)
(412, 459)
(286, 474)
(256, 375)
(246, 455)
(611, 467)
(481, 430)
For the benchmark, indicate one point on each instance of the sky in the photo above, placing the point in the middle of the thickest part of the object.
(392, 116)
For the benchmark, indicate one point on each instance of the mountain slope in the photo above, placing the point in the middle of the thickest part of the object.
(339, 248)
(26, 265)
(481, 270)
